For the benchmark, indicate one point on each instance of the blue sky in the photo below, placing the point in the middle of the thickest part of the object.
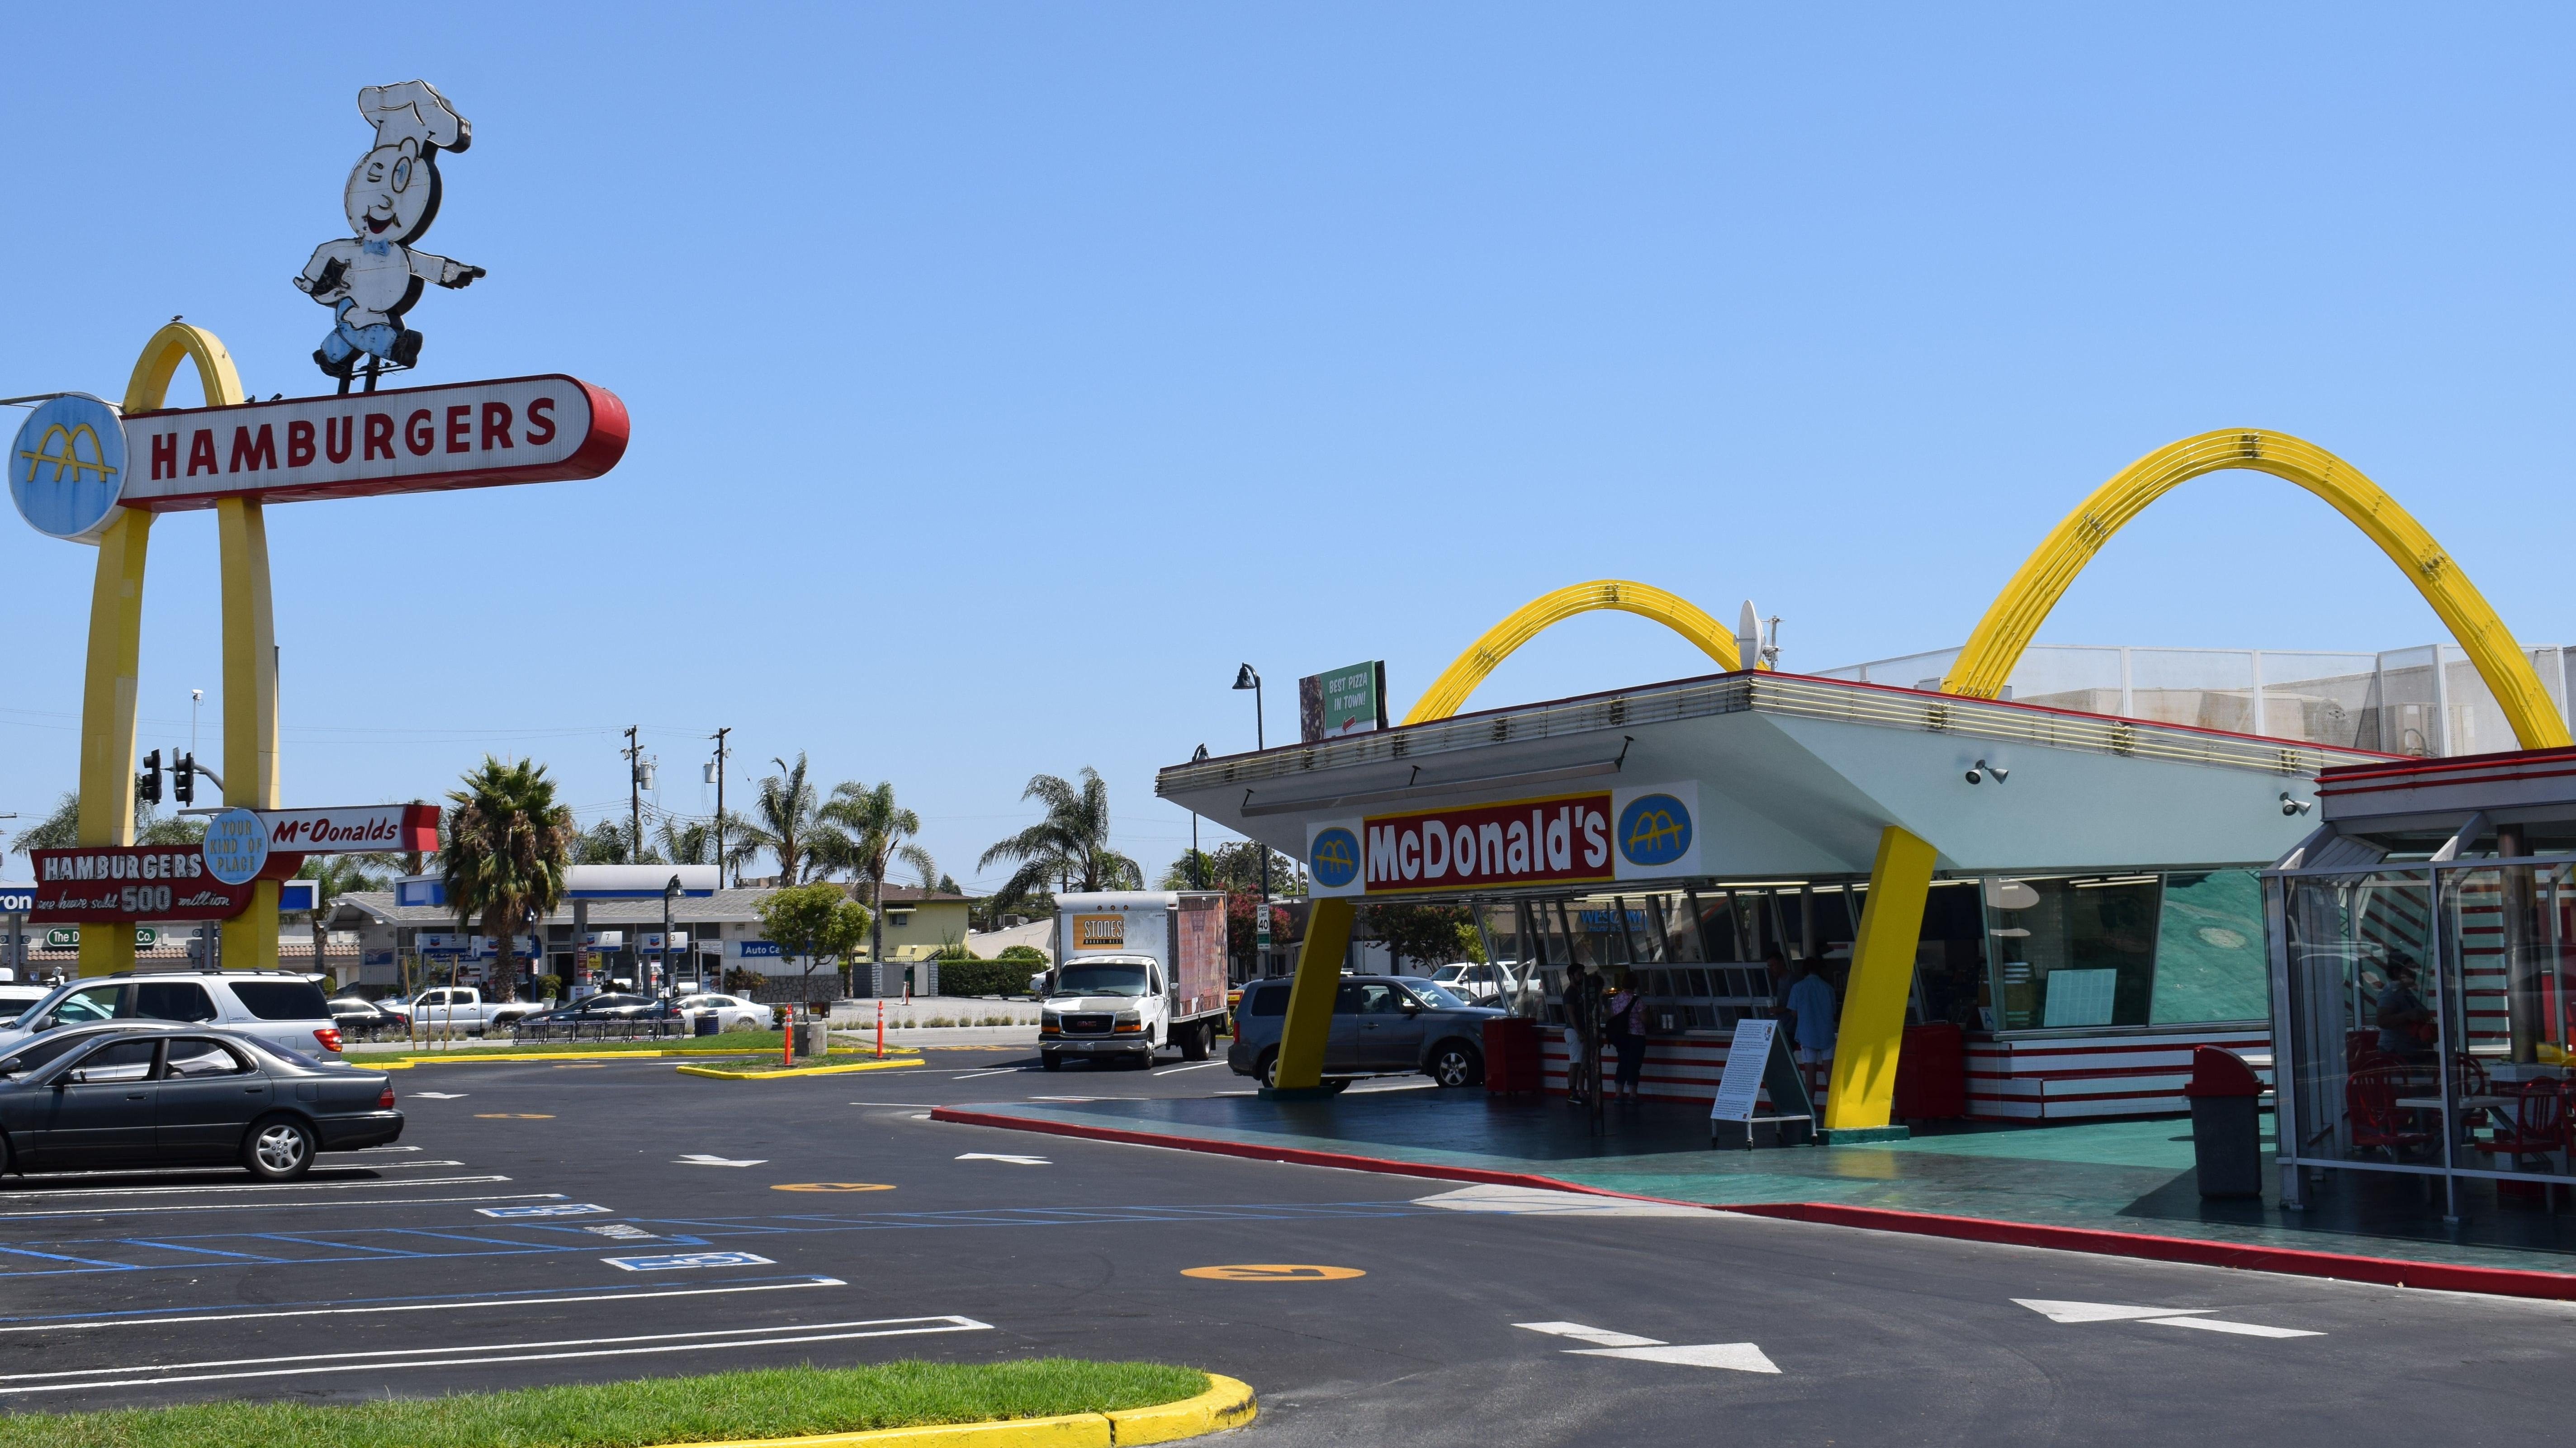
(1003, 375)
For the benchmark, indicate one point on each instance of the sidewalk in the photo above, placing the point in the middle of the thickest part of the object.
(2107, 1180)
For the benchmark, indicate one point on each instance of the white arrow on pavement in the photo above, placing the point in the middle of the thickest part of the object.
(1742, 1357)
(2197, 1317)
(696, 1158)
(438, 1095)
(1013, 1160)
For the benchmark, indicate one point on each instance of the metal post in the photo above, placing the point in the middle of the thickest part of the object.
(720, 814)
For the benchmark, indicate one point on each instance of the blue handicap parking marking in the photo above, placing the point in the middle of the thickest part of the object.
(672, 1260)
(556, 1209)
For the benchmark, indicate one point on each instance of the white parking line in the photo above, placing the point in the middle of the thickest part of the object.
(282, 1206)
(1193, 1066)
(1002, 1071)
(428, 1306)
(478, 1355)
(251, 1187)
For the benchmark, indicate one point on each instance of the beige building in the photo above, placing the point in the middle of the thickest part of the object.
(918, 923)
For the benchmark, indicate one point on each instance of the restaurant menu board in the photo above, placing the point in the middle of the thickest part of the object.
(1740, 1085)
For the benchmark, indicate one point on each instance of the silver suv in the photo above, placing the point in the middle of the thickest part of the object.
(284, 1008)
(1380, 1024)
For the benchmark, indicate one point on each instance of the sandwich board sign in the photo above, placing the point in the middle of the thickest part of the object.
(1757, 1058)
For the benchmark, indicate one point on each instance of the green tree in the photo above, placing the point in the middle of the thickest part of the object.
(57, 831)
(612, 842)
(1235, 867)
(1427, 934)
(507, 846)
(815, 922)
(693, 842)
(784, 822)
(1070, 846)
(872, 833)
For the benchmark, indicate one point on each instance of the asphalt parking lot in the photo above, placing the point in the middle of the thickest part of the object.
(551, 1222)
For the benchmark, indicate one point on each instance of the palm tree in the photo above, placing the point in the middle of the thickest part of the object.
(786, 822)
(874, 833)
(506, 853)
(1070, 844)
(693, 842)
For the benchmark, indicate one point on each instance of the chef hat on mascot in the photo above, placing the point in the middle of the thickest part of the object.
(413, 110)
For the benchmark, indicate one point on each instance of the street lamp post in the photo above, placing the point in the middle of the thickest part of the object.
(670, 892)
(1247, 677)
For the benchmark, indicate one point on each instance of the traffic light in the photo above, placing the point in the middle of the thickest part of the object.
(183, 778)
(147, 785)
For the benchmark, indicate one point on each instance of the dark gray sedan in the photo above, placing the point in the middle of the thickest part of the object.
(127, 1094)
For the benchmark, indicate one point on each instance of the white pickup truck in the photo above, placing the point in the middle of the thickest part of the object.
(463, 1008)
(1137, 970)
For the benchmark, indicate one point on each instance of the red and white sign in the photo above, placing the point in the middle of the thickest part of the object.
(404, 440)
(360, 830)
(1564, 839)
(110, 883)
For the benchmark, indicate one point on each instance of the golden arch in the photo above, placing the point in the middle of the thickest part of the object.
(2016, 613)
(115, 644)
(1525, 623)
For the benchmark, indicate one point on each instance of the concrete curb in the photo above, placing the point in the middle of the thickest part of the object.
(718, 1073)
(1228, 1403)
(2296, 1261)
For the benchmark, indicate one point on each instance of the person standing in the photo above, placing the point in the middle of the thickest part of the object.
(1812, 1019)
(1582, 1030)
(1625, 1011)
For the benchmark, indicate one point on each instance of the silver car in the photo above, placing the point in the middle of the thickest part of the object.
(284, 1008)
(1382, 1024)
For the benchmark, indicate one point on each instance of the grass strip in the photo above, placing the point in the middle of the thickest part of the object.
(770, 1403)
(730, 1043)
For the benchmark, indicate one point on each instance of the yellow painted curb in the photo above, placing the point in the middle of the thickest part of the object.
(407, 1062)
(719, 1073)
(1228, 1403)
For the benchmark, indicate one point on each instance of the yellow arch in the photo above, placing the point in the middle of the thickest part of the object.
(115, 646)
(2016, 613)
(1524, 623)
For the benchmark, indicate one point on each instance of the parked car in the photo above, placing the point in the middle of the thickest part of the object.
(591, 1013)
(1473, 982)
(130, 1093)
(464, 1008)
(1382, 1024)
(284, 1008)
(368, 1019)
(732, 1013)
(16, 998)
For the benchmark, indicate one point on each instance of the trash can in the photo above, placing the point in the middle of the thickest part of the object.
(2226, 1126)
(705, 1024)
(1511, 1056)
(1931, 1073)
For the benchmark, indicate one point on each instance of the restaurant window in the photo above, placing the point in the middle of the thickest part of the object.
(2073, 953)
(2209, 950)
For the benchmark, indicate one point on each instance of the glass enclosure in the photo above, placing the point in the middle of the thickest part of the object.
(2427, 1015)
(2053, 954)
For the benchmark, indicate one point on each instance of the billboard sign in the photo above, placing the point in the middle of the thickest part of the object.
(364, 829)
(16, 899)
(131, 882)
(1104, 931)
(236, 846)
(67, 937)
(1342, 701)
(401, 440)
(1640, 833)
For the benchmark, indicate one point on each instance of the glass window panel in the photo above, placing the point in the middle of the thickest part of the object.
(1501, 921)
(2355, 961)
(2330, 699)
(2098, 934)
(2065, 677)
(2209, 951)
(2209, 688)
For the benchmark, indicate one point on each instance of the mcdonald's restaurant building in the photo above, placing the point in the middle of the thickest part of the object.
(2044, 909)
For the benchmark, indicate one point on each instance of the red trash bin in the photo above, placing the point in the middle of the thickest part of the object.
(1511, 1056)
(1932, 1073)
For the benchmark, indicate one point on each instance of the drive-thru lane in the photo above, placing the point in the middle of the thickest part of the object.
(545, 1224)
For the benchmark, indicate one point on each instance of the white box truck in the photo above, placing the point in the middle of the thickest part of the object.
(1135, 971)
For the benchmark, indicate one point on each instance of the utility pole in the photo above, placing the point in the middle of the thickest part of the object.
(720, 815)
(634, 753)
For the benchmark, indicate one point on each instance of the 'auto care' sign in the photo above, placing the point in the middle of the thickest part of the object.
(109, 883)
(1646, 832)
(405, 440)
(365, 829)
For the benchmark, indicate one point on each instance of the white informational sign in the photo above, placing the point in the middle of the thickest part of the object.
(2080, 997)
(359, 829)
(1740, 1085)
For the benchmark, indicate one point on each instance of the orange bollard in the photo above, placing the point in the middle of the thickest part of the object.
(880, 1028)
(787, 1041)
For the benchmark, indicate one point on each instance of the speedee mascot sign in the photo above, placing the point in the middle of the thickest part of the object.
(372, 277)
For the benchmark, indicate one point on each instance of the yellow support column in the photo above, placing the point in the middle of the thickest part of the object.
(250, 711)
(1310, 998)
(107, 715)
(1872, 1030)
